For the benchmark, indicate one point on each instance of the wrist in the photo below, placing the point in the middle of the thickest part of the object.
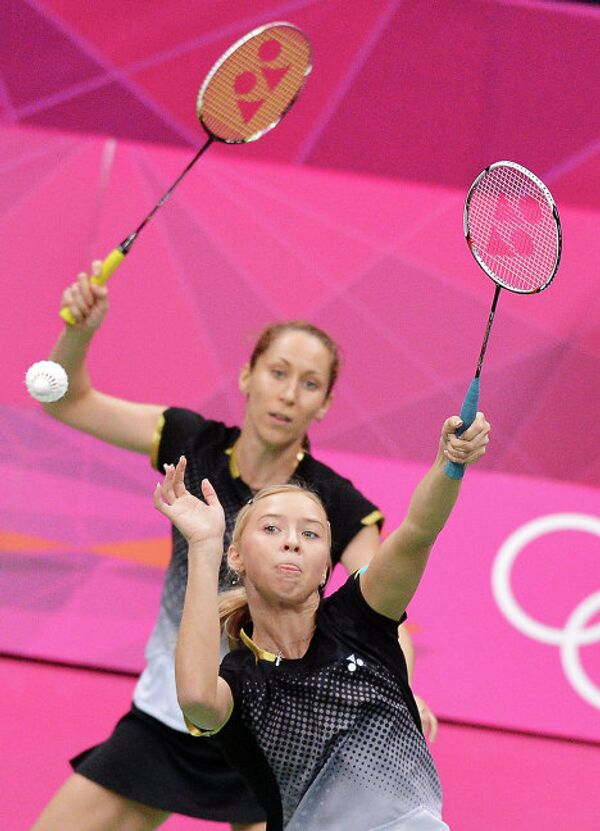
(206, 547)
(74, 336)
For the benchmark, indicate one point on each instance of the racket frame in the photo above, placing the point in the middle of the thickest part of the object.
(549, 199)
(219, 63)
(471, 401)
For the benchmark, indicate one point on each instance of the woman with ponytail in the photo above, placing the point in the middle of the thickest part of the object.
(313, 707)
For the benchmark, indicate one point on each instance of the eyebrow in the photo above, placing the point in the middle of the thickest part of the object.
(307, 372)
(282, 516)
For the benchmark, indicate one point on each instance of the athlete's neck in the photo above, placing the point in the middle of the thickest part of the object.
(286, 632)
(261, 465)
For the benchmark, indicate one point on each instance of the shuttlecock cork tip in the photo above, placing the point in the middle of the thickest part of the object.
(41, 385)
(46, 381)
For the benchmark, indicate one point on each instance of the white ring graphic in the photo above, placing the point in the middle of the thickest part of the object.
(574, 634)
(569, 653)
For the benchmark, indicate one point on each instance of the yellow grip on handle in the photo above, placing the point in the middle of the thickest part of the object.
(109, 266)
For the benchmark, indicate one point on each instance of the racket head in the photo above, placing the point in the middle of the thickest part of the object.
(252, 86)
(512, 228)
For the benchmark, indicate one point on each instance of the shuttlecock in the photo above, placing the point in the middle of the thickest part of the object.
(46, 381)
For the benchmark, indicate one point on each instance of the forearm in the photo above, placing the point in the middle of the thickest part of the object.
(70, 351)
(197, 656)
(117, 421)
(395, 572)
(431, 504)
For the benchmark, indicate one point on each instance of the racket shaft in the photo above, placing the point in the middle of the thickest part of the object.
(109, 266)
(468, 412)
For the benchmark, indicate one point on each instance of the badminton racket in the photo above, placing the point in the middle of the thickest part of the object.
(246, 93)
(513, 230)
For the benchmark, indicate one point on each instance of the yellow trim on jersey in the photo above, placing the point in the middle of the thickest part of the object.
(372, 518)
(234, 470)
(259, 654)
(199, 733)
(157, 436)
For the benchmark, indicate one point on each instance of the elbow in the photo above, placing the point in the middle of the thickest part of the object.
(199, 711)
(188, 701)
(51, 409)
(71, 408)
(422, 536)
(194, 697)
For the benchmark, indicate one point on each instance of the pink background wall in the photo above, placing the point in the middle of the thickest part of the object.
(349, 214)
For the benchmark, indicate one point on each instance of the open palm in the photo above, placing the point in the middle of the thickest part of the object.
(198, 521)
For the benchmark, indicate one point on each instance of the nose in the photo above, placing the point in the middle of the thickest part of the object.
(288, 392)
(292, 543)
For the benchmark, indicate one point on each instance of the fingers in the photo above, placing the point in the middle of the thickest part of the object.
(173, 487)
(209, 493)
(179, 488)
(157, 496)
(479, 426)
(471, 445)
(77, 297)
(450, 427)
(85, 299)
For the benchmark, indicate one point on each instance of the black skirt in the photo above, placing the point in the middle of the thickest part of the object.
(148, 762)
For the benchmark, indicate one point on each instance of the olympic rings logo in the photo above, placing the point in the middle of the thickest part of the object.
(575, 633)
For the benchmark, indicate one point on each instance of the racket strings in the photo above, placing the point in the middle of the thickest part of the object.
(512, 229)
(255, 84)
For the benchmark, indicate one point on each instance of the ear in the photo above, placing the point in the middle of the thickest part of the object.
(235, 560)
(322, 412)
(244, 379)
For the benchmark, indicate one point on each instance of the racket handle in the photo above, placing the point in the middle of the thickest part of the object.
(468, 411)
(109, 265)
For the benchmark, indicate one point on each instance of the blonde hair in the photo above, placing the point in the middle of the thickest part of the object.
(233, 604)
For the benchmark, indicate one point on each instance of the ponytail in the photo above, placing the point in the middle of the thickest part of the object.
(233, 613)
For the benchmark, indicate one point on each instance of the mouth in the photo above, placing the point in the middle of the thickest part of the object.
(280, 418)
(289, 569)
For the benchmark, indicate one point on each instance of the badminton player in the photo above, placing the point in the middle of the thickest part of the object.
(314, 706)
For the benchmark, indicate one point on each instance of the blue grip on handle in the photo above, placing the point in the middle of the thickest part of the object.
(468, 411)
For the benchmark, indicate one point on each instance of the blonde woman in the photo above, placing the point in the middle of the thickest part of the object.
(314, 707)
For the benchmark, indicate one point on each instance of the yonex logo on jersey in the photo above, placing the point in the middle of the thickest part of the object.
(354, 662)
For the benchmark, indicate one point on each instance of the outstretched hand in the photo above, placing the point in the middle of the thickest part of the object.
(87, 302)
(468, 448)
(199, 522)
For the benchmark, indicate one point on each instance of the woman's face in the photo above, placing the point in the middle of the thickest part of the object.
(287, 387)
(284, 550)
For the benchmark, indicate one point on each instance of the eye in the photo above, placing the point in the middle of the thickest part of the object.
(311, 385)
(277, 373)
(270, 529)
(311, 535)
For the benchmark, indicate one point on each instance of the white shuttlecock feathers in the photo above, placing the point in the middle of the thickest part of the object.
(46, 381)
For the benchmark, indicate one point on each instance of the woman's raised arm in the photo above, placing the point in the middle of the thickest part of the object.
(205, 698)
(117, 421)
(395, 571)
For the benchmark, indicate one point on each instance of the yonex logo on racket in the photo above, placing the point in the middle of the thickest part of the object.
(246, 82)
(509, 220)
(512, 227)
(255, 83)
